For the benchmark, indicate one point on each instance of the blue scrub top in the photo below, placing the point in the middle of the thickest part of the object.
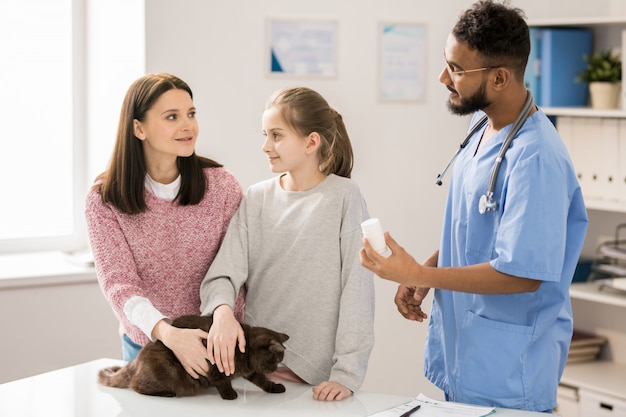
(509, 350)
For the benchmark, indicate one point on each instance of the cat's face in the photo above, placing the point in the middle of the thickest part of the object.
(268, 348)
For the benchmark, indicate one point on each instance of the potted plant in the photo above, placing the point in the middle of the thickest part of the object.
(604, 75)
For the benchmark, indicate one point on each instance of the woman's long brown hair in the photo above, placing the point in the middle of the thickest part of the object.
(122, 184)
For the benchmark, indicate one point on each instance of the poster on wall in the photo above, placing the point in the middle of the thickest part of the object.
(302, 48)
(402, 62)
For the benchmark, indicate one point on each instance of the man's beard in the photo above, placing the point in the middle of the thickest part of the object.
(472, 104)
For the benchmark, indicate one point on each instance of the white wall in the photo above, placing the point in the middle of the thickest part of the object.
(115, 58)
(47, 327)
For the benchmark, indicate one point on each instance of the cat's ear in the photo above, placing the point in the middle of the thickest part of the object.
(276, 347)
(282, 337)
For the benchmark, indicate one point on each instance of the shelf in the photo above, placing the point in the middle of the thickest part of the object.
(607, 34)
(590, 291)
(605, 205)
(584, 112)
(579, 21)
(599, 376)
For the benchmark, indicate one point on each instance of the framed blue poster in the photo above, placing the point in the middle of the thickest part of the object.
(402, 62)
(302, 48)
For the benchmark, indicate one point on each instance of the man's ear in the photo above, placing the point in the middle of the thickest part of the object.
(502, 77)
(313, 142)
(138, 130)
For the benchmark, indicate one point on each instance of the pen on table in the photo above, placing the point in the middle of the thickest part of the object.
(411, 411)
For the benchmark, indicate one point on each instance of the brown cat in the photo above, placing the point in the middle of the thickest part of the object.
(156, 371)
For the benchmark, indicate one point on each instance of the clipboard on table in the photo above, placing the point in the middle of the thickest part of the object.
(434, 408)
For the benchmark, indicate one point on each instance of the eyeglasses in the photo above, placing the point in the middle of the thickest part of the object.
(454, 74)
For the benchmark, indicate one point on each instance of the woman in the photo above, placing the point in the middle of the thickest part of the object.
(156, 219)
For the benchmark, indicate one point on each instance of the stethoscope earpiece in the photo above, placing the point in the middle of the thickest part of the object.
(487, 202)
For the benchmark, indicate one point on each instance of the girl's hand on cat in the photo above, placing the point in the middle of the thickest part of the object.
(187, 347)
(330, 391)
(224, 336)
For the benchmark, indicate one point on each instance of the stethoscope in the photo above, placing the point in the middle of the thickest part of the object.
(487, 202)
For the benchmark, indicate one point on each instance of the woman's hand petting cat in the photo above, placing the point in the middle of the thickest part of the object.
(330, 391)
(224, 337)
(187, 346)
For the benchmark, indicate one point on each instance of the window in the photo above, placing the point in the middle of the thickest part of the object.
(42, 157)
(66, 67)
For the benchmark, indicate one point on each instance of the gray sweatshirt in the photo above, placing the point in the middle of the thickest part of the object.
(298, 255)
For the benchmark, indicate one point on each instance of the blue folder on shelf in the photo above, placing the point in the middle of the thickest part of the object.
(533, 69)
(561, 56)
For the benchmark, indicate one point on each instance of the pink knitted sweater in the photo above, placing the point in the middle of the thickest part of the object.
(162, 254)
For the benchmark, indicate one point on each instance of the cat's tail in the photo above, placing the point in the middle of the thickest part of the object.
(116, 376)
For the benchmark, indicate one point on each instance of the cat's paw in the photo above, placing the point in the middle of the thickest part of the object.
(277, 388)
(228, 395)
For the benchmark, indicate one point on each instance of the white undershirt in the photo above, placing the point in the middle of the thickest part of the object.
(165, 191)
(143, 314)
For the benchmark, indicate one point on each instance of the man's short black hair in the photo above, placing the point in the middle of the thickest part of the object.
(496, 31)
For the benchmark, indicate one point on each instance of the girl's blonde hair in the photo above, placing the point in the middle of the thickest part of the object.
(306, 111)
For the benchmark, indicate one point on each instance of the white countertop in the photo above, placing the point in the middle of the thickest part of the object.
(74, 392)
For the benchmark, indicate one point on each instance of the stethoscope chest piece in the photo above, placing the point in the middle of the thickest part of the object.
(486, 203)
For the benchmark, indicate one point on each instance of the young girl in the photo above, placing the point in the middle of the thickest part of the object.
(294, 244)
(156, 219)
